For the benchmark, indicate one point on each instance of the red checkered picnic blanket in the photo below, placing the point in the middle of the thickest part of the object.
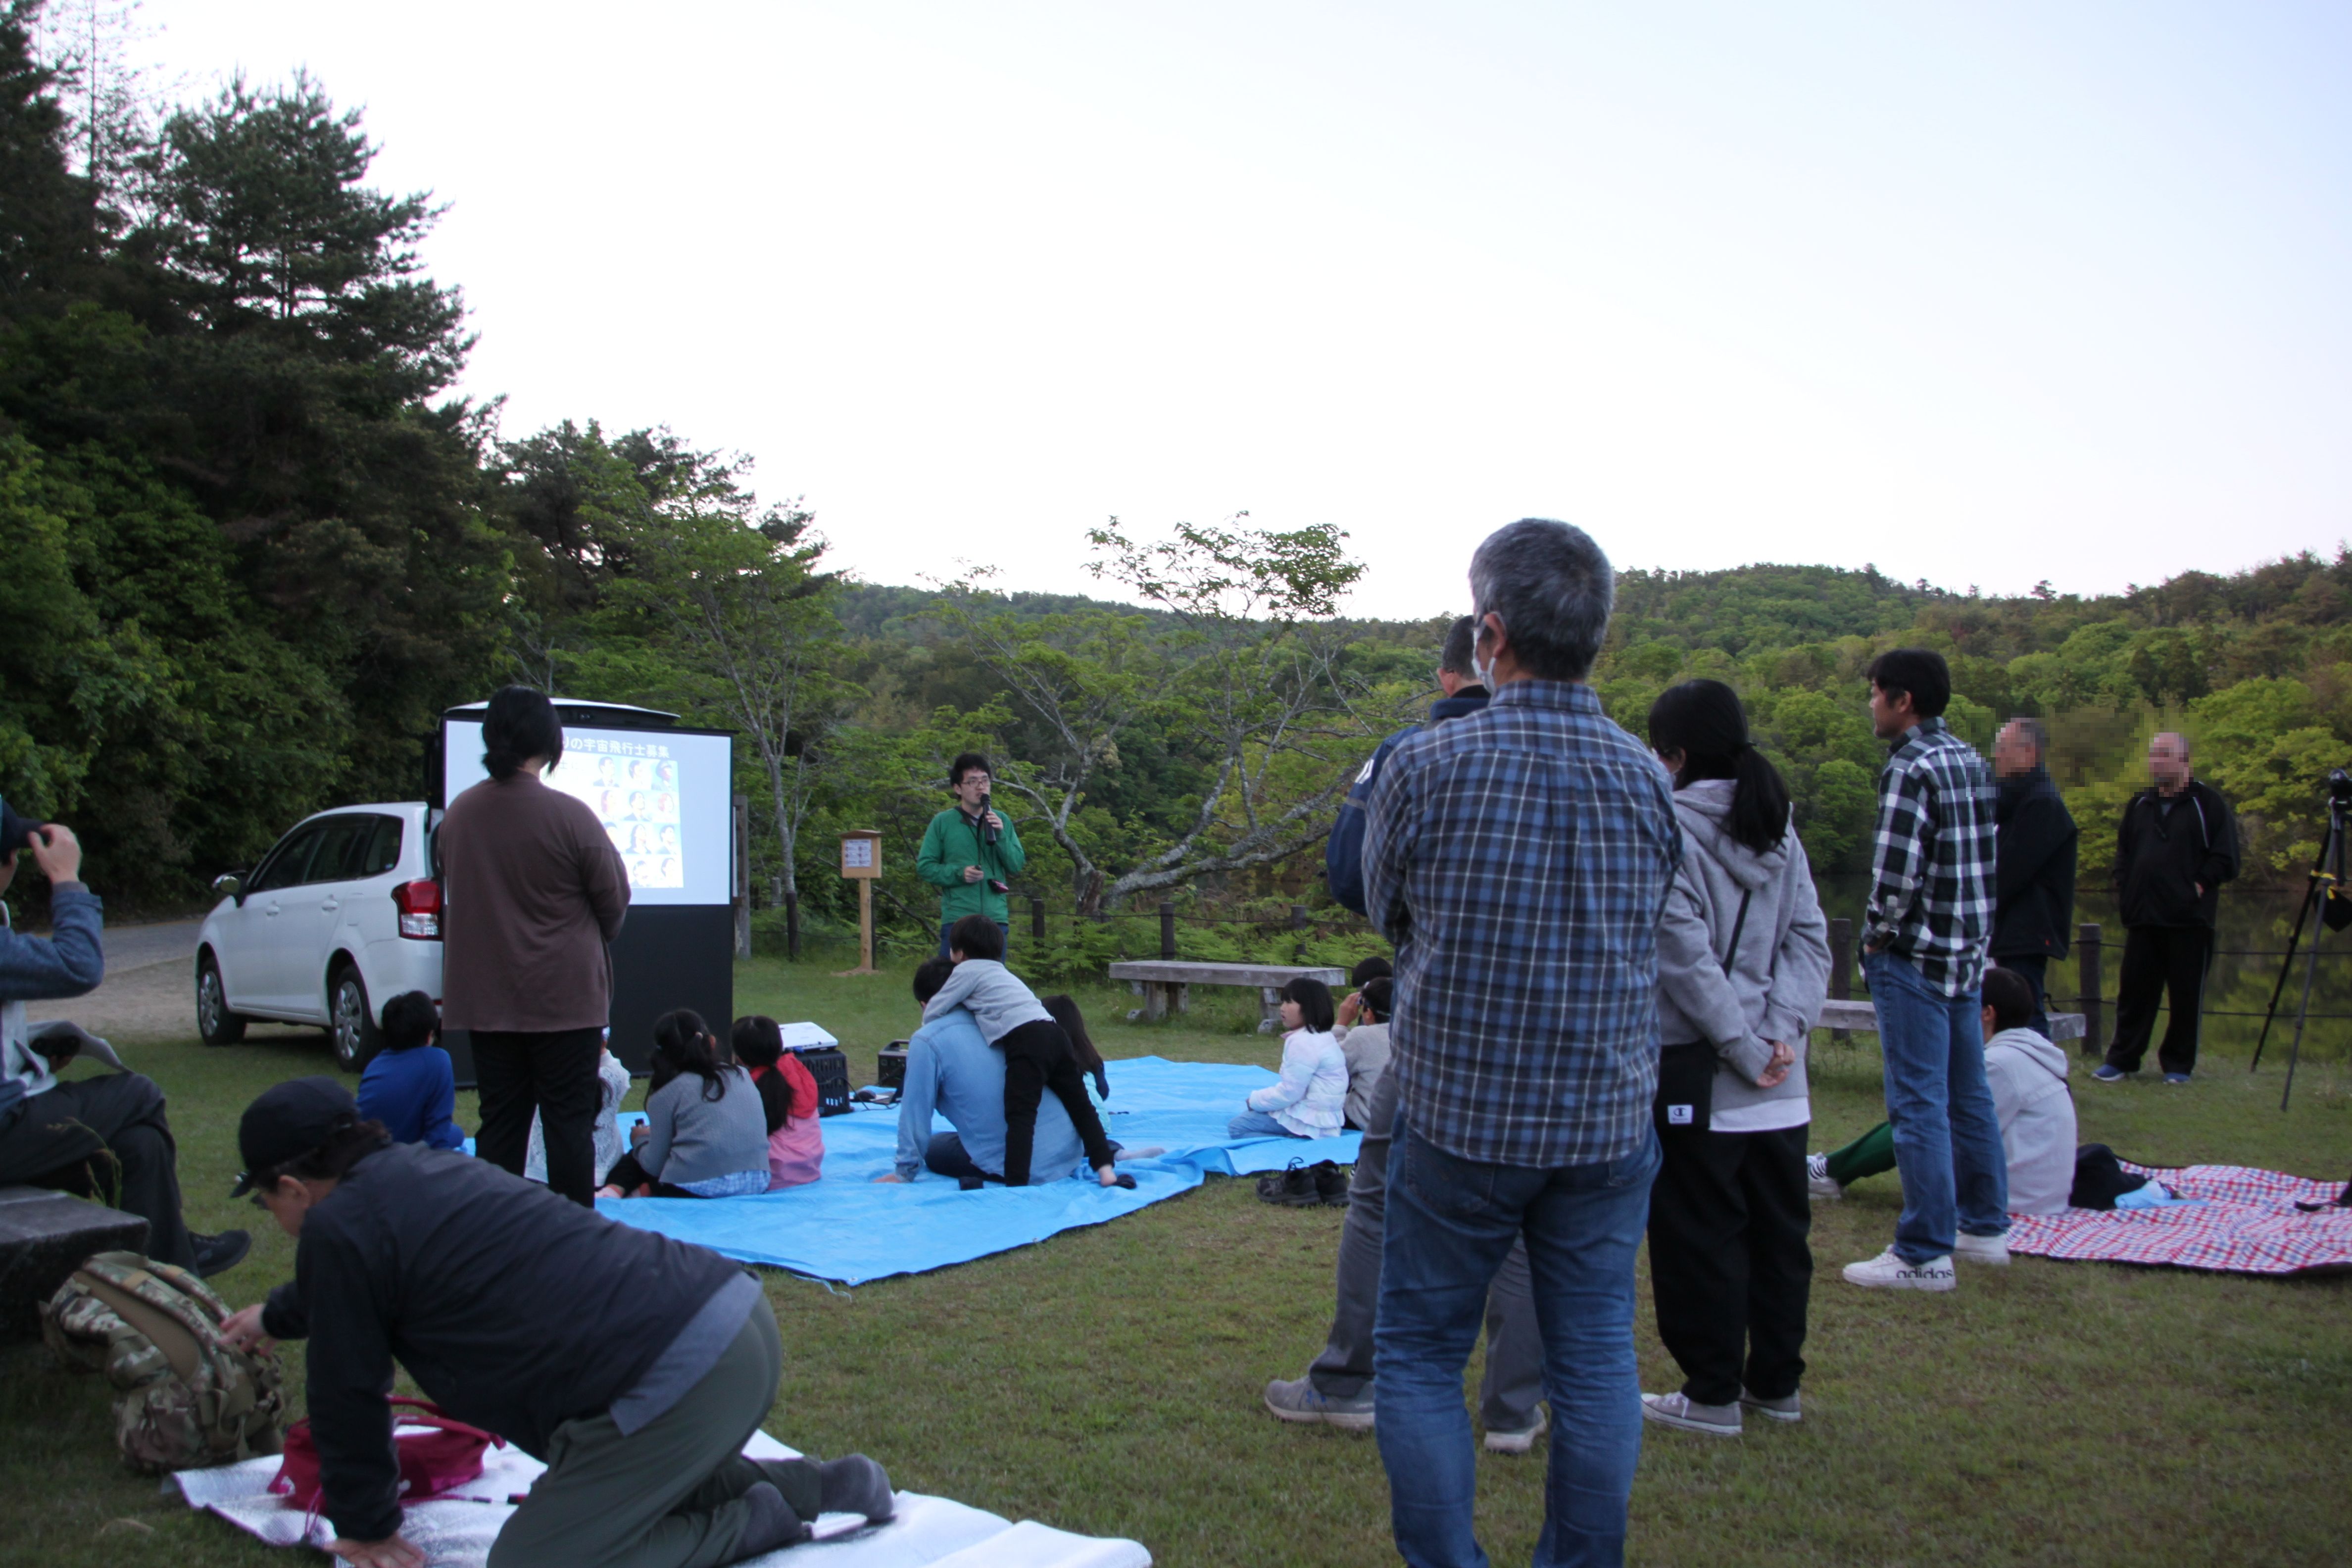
(2246, 1222)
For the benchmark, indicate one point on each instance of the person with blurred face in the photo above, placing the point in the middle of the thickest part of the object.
(2034, 856)
(2177, 844)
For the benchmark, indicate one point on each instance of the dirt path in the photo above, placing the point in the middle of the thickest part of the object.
(151, 1001)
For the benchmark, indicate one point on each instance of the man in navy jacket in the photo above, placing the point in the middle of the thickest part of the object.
(2176, 845)
(1343, 854)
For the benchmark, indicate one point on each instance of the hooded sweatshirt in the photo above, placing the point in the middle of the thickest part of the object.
(1778, 980)
(2028, 1075)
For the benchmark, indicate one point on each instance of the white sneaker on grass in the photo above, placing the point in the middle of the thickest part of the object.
(1518, 1442)
(1786, 1408)
(1679, 1410)
(1888, 1271)
(1992, 1249)
(1818, 1183)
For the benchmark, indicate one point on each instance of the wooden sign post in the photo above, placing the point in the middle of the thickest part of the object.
(861, 862)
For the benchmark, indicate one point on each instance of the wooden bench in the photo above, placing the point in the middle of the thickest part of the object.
(1164, 983)
(44, 1237)
(1862, 1017)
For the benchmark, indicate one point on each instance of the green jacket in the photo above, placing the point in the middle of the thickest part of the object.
(951, 843)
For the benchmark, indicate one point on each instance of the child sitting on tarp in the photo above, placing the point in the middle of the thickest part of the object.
(1310, 1100)
(1037, 1054)
(408, 1085)
(705, 1135)
(788, 1099)
(2028, 1077)
(1366, 1047)
(604, 1138)
(1367, 970)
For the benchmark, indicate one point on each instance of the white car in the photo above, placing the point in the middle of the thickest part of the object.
(341, 915)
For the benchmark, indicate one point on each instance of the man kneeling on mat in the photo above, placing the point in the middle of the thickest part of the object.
(635, 1366)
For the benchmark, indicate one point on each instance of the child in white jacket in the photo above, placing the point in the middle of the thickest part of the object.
(1310, 1099)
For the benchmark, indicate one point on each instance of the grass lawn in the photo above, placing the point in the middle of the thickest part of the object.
(1107, 1381)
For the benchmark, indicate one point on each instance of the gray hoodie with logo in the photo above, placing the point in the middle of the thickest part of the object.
(1779, 978)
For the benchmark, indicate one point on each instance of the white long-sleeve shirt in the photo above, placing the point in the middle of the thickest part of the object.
(1310, 1098)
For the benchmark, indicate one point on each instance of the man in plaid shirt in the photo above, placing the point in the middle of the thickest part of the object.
(1519, 857)
(1924, 930)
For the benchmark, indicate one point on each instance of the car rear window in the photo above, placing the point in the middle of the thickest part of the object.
(383, 850)
(351, 848)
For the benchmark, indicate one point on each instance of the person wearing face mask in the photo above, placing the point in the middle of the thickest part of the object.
(1743, 971)
(1465, 692)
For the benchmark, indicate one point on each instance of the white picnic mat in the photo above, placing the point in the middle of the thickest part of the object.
(455, 1531)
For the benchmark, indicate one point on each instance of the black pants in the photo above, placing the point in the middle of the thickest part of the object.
(62, 1139)
(2160, 960)
(629, 1175)
(1728, 1262)
(554, 1074)
(1037, 1057)
(2031, 968)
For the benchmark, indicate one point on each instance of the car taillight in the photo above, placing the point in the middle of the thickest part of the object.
(419, 904)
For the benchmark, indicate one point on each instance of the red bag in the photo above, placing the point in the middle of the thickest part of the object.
(431, 1464)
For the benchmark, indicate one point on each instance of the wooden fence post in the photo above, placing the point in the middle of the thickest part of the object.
(792, 925)
(1841, 971)
(1037, 920)
(1168, 931)
(2086, 975)
(1298, 917)
(740, 895)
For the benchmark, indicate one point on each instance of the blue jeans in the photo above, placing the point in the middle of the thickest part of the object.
(1259, 1124)
(1946, 1138)
(1451, 1222)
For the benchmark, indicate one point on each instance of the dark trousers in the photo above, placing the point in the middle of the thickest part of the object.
(1037, 1057)
(2033, 969)
(2160, 960)
(554, 1074)
(629, 1175)
(669, 1494)
(1729, 1266)
(104, 1138)
(1514, 1380)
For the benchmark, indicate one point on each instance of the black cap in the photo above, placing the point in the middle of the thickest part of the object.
(288, 1120)
(15, 829)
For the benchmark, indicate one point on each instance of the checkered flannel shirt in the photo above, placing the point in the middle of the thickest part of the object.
(1519, 859)
(1931, 872)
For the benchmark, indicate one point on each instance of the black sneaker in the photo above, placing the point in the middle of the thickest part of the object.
(1292, 1189)
(1330, 1185)
(219, 1254)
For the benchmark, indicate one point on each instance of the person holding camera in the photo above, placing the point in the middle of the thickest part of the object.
(102, 1138)
(969, 853)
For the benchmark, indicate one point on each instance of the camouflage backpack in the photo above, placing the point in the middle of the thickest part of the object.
(184, 1397)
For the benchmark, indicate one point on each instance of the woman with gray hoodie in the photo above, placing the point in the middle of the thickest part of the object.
(1743, 970)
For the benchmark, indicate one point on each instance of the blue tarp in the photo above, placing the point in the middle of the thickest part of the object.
(848, 1226)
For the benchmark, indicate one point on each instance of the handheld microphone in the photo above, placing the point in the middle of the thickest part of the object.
(988, 835)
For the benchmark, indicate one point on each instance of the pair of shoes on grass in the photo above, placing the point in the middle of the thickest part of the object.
(1685, 1414)
(2104, 1073)
(1890, 1271)
(1303, 1186)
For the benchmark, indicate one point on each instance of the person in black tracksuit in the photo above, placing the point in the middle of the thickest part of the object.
(2034, 853)
(2176, 844)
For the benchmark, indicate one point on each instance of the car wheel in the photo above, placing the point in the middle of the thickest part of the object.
(352, 1030)
(214, 1023)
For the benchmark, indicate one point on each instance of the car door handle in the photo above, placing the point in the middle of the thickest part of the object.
(270, 910)
(331, 906)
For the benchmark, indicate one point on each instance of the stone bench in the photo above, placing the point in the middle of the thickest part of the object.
(1164, 983)
(1861, 1018)
(44, 1237)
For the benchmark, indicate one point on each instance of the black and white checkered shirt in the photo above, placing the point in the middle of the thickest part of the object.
(1931, 873)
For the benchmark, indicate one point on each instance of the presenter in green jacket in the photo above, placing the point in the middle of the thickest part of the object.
(969, 853)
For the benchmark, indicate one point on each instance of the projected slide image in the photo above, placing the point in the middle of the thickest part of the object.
(633, 786)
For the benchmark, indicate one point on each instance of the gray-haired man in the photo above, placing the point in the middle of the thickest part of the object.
(2033, 860)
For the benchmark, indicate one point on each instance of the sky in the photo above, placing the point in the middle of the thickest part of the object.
(1985, 294)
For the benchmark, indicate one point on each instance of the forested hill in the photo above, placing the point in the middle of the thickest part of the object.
(251, 545)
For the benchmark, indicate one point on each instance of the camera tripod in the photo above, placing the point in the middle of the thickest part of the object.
(2326, 898)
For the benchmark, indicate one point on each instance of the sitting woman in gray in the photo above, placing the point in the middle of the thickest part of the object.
(705, 1135)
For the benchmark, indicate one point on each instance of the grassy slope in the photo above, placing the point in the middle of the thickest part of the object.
(1107, 1380)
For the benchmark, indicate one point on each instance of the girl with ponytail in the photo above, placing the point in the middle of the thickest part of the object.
(1743, 971)
(705, 1135)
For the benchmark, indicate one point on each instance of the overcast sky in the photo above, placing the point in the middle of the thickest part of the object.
(1983, 293)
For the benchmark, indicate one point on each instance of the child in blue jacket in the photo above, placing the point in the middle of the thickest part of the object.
(409, 1085)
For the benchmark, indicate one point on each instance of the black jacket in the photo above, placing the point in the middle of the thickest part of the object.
(2162, 856)
(513, 1307)
(2033, 884)
(1343, 852)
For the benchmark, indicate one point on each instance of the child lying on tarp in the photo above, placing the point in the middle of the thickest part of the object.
(788, 1099)
(705, 1135)
(635, 1366)
(2028, 1077)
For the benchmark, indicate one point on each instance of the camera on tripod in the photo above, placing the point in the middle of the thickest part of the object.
(2339, 790)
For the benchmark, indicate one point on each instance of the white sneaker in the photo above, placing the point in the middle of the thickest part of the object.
(1680, 1410)
(1992, 1249)
(1518, 1442)
(1817, 1179)
(1889, 1272)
